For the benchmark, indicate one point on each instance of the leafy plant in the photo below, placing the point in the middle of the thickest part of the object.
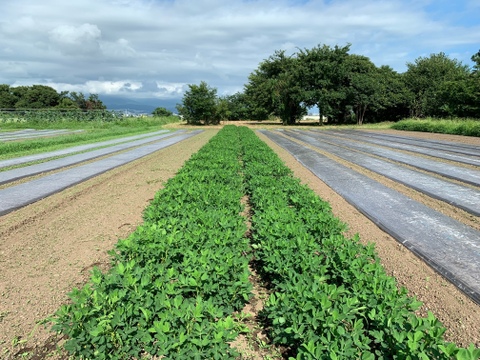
(176, 281)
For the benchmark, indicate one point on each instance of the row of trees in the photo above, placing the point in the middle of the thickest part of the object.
(45, 97)
(345, 87)
(350, 88)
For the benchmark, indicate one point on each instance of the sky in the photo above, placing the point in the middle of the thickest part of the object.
(155, 48)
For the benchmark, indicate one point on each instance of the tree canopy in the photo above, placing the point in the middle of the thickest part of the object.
(199, 105)
(349, 88)
(273, 89)
(45, 97)
(161, 112)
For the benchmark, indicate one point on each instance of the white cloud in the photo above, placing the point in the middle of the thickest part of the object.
(169, 90)
(99, 87)
(76, 40)
(118, 49)
(161, 45)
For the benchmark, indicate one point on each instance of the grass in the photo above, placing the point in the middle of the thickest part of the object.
(465, 127)
(93, 132)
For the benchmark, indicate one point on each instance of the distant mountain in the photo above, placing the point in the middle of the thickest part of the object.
(145, 106)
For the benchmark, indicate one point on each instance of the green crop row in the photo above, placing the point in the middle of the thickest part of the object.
(331, 298)
(175, 282)
(177, 279)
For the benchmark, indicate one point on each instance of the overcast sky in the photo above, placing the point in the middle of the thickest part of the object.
(153, 48)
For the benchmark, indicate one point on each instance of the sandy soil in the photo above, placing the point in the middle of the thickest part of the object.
(50, 247)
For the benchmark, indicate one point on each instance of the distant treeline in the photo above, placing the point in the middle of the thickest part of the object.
(349, 88)
(45, 97)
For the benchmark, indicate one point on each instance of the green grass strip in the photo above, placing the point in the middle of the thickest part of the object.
(464, 127)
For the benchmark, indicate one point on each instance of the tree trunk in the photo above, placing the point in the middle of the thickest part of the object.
(360, 113)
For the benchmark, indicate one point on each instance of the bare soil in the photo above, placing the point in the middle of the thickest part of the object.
(49, 247)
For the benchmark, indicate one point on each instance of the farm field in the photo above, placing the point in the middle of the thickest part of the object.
(94, 214)
(449, 246)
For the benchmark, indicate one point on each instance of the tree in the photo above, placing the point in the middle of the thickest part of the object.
(321, 72)
(272, 89)
(222, 109)
(364, 85)
(79, 99)
(392, 99)
(36, 97)
(161, 112)
(476, 59)
(459, 98)
(199, 104)
(238, 106)
(7, 97)
(93, 102)
(424, 78)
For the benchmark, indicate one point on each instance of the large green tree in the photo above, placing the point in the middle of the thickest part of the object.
(238, 106)
(364, 85)
(321, 72)
(424, 79)
(7, 97)
(199, 105)
(273, 89)
(36, 97)
(461, 97)
(392, 97)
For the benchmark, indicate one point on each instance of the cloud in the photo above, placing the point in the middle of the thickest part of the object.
(77, 40)
(99, 87)
(119, 49)
(153, 48)
(170, 90)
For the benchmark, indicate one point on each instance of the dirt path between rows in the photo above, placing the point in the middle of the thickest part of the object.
(48, 248)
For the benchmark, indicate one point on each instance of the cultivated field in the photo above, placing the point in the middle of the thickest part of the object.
(50, 246)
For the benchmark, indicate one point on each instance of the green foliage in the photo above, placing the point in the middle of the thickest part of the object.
(177, 279)
(425, 76)
(91, 103)
(392, 97)
(460, 98)
(465, 127)
(348, 87)
(199, 105)
(45, 97)
(238, 106)
(331, 298)
(162, 112)
(364, 85)
(35, 97)
(273, 89)
(322, 74)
